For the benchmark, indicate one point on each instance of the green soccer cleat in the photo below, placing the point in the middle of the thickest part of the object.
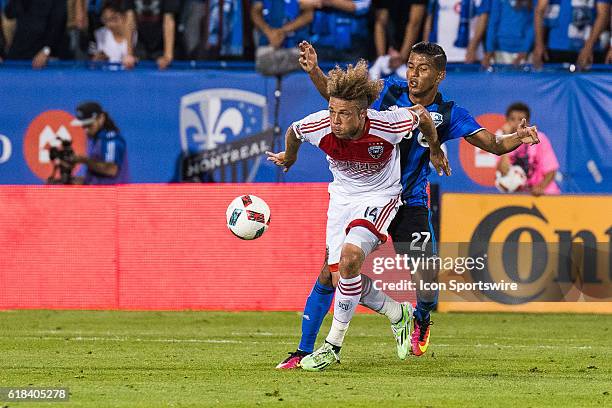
(401, 331)
(321, 358)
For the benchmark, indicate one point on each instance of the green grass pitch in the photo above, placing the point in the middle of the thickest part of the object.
(191, 359)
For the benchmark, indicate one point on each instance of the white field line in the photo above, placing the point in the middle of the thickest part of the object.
(137, 340)
(225, 341)
(67, 333)
(437, 336)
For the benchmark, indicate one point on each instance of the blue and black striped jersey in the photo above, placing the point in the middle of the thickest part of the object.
(451, 121)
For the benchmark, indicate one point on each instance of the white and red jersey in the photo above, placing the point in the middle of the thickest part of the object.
(366, 166)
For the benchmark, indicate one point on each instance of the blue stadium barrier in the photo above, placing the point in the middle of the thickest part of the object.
(207, 105)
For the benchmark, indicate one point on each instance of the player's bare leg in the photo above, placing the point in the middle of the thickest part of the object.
(317, 305)
(347, 296)
(319, 301)
(359, 242)
(348, 292)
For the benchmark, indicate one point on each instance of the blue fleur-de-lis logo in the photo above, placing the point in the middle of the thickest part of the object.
(215, 116)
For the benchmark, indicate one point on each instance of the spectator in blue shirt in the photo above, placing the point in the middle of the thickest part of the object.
(106, 159)
(283, 24)
(226, 30)
(458, 27)
(479, 32)
(340, 28)
(575, 31)
(510, 32)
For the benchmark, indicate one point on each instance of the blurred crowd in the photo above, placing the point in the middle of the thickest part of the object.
(470, 31)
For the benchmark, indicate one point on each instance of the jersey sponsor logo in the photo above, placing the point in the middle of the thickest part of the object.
(48, 130)
(376, 151)
(213, 119)
(351, 166)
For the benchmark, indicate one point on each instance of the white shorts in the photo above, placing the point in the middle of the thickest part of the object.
(374, 213)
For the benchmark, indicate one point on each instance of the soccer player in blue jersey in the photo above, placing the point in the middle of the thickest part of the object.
(426, 69)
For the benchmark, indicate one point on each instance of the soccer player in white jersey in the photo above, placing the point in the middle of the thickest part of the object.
(361, 148)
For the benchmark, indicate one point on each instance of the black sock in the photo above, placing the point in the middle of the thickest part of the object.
(334, 347)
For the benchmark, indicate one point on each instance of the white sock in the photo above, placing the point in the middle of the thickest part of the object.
(348, 293)
(379, 301)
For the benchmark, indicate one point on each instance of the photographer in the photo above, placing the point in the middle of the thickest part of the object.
(106, 158)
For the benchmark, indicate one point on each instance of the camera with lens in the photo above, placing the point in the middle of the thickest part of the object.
(63, 161)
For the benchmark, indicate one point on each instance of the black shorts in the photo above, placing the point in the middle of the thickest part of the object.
(412, 232)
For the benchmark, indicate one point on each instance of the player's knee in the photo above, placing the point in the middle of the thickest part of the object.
(362, 238)
(325, 276)
(351, 260)
(335, 276)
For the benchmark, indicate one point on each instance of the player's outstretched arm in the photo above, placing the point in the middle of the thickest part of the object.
(427, 127)
(287, 158)
(309, 63)
(502, 144)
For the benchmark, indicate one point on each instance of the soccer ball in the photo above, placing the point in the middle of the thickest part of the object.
(248, 217)
(512, 181)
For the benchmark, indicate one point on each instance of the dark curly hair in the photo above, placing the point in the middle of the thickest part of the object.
(354, 84)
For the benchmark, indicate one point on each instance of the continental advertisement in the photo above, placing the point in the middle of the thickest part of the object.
(521, 253)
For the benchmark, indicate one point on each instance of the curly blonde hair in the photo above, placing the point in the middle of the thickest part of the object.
(354, 84)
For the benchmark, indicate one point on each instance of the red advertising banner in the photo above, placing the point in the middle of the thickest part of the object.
(157, 247)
